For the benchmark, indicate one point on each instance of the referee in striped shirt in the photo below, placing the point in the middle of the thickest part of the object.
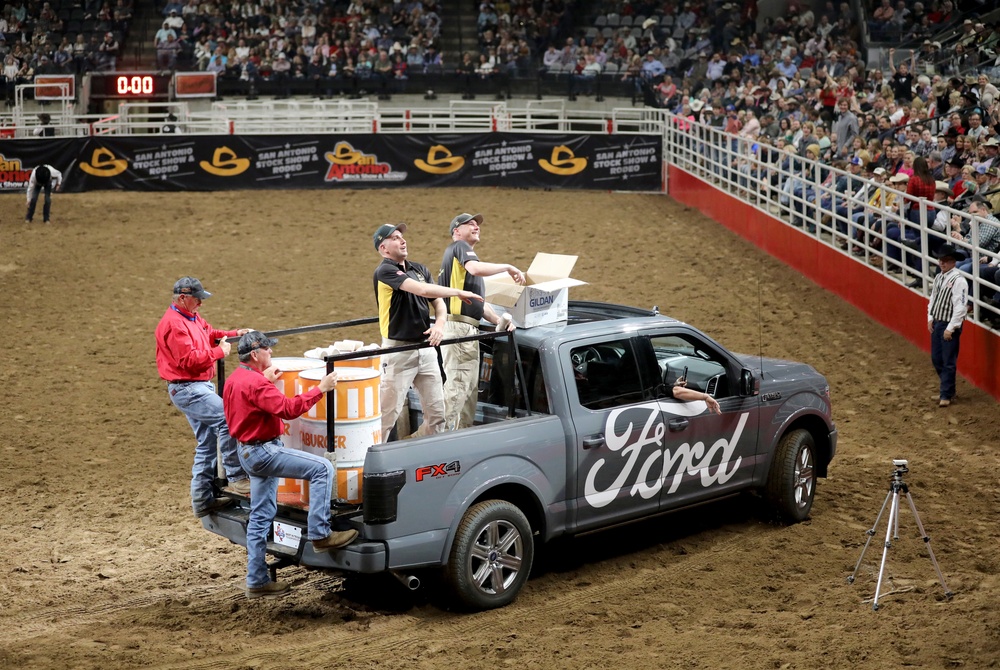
(945, 314)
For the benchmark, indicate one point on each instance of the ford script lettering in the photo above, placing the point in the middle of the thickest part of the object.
(685, 458)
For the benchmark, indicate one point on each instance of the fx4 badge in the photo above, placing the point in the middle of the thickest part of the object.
(775, 395)
(442, 470)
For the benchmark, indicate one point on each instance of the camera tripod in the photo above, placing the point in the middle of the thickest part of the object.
(896, 487)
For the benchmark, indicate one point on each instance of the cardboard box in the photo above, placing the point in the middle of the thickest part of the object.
(545, 296)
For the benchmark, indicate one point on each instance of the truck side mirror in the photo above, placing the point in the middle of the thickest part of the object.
(749, 385)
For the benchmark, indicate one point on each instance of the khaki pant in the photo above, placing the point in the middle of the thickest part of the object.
(420, 369)
(461, 367)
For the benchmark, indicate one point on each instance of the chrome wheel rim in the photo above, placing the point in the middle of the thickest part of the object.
(496, 557)
(804, 478)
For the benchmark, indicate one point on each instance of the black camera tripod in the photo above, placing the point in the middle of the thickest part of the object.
(896, 486)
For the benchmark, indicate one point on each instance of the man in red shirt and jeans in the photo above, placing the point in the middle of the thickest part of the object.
(254, 410)
(187, 348)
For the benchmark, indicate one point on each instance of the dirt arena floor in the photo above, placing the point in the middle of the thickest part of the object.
(104, 565)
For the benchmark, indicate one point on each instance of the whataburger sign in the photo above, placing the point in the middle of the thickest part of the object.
(230, 162)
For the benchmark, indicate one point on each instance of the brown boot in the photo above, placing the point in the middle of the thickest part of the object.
(270, 590)
(334, 540)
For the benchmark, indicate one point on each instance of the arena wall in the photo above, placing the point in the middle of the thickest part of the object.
(884, 300)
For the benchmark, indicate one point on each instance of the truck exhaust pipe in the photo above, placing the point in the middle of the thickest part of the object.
(412, 582)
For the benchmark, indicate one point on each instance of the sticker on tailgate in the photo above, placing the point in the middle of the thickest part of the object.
(287, 535)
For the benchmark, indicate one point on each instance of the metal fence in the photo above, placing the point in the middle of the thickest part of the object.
(874, 223)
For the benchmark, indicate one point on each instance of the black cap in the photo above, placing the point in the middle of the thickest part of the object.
(191, 286)
(956, 162)
(254, 340)
(949, 251)
(385, 230)
(465, 218)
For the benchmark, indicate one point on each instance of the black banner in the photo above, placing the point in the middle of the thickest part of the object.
(19, 157)
(230, 162)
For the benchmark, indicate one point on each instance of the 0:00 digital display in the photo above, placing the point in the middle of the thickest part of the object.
(134, 84)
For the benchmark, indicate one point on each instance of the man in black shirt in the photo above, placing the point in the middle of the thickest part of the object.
(461, 268)
(404, 292)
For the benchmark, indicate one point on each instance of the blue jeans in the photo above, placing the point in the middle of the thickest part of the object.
(33, 201)
(265, 463)
(203, 408)
(944, 356)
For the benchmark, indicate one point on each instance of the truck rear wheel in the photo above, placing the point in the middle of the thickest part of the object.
(491, 557)
(791, 484)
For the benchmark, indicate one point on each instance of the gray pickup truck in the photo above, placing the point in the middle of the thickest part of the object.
(578, 432)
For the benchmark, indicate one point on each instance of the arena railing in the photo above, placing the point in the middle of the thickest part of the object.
(313, 116)
(789, 190)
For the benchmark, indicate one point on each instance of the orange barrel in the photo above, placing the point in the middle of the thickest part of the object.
(370, 362)
(373, 362)
(355, 398)
(351, 441)
(292, 491)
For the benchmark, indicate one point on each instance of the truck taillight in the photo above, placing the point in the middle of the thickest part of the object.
(379, 495)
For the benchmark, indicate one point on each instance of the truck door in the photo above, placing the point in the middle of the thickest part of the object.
(705, 454)
(617, 424)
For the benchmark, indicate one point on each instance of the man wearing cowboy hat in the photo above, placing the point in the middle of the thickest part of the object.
(945, 315)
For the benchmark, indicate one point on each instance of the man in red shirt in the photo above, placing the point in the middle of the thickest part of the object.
(187, 348)
(254, 410)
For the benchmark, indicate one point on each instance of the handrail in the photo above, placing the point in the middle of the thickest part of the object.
(733, 165)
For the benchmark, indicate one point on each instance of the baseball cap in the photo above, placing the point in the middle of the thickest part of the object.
(465, 218)
(385, 230)
(254, 340)
(993, 172)
(879, 170)
(190, 286)
(856, 161)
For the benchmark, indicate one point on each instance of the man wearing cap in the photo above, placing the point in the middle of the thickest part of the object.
(992, 152)
(462, 269)
(992, 192)
(404, 293)
(187, 348)
(254, 410)
(945, 315)
(107, 52)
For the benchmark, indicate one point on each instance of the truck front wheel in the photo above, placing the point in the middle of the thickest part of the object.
(491, 557)
(791, 484)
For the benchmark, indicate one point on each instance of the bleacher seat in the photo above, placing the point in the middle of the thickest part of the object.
(614, 20)
(610, 68)
(606, 32)
(601, 21)
(625, 21)
(637, 31)
(667, 20)
(806, 72)
(638, 20)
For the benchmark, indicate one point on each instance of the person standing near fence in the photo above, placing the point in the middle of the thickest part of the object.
(945, 315)
(462, 269)
(44, 178)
